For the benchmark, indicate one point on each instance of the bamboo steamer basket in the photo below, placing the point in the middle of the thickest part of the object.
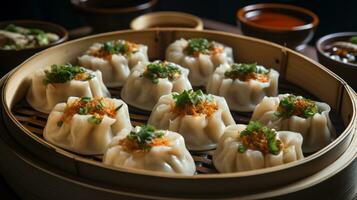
(67, 172)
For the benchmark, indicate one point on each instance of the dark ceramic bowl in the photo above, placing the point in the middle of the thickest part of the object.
(348, 71)
(111, 15)
(295, 37)
(11, 58)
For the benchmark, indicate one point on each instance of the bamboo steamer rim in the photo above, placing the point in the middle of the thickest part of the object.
(349, 128)
(340, 164)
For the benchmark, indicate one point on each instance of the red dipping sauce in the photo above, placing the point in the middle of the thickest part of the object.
(276, 20)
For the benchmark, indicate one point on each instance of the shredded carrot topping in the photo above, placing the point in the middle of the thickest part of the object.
(256, 141)
(142, 139)
(260, 138)
(97, 107)
(197, 46)
(255, 76)
(247, 72)
(190, 102)
(101, 54)
(113, 47)
(211, 51)
(203, 108)
(160, 142)
(300, 105)
(83, 76)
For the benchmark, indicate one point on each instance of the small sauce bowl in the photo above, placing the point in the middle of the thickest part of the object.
(109, 15)
(284, 24)
(346, 70)
(166, 19)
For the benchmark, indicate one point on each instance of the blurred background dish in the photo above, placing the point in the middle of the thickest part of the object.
(166, 19)
(11, 58)
(338, 52)
(284, 24)
(110, 15)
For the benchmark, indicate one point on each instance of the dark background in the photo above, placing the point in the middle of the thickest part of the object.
(335, 15)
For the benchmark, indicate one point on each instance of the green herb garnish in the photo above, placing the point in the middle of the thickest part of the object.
(259, 137)
(42, 39)
(353, 39)
(190, 102)
(298, 106)
(83, 110)
(197, 45)
(241, 71)
(86, 99)
(241, 149)
(64, 73)
(144, 136)
(190, 97)
(114, 47)
(159, 69)
(94, 120)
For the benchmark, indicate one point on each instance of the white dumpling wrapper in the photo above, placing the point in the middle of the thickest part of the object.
(80, 136)
(200, 132)
(242, 95)
(116, 69)
(201, 67)
(317, 130)
(226, 157)
(142, 93)
(44, 97)
(174, 158)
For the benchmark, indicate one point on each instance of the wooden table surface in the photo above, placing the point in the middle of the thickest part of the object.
(342, 186)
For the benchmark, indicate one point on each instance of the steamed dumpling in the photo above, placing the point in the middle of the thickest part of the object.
(150, 149)
(243, 85)
(51, 86)
(199, 55)
(149, 81)
(295, 113)
(199, 118)
(114, 59)
(243, 148)
(86, 125)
